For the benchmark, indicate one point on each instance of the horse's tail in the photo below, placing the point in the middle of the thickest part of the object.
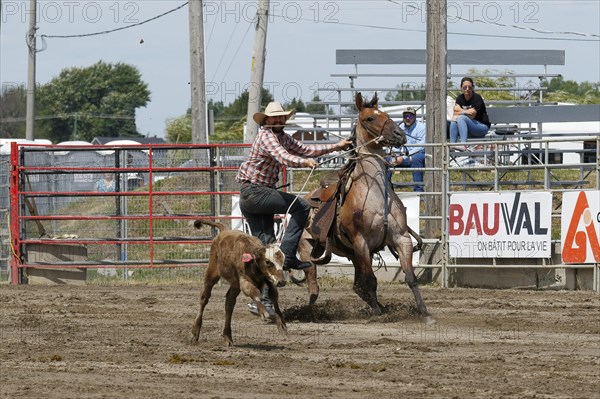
(326, 257)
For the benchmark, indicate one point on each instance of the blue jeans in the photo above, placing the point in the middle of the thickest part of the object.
(418, 161)
(259, 204)
(465, 126)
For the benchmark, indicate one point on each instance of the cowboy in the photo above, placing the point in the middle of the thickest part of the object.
(258, 175)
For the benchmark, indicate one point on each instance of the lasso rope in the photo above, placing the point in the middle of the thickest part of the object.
(342, 153)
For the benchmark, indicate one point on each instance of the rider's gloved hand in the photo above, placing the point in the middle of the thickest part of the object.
(311, 163)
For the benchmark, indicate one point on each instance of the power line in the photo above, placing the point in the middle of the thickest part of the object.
(237, 50)
(224, 51)
(212, 29)
(547, 32)
(449, 33)
(114, 30)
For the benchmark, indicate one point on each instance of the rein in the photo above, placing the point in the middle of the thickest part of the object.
(375, 139)
(377, 135)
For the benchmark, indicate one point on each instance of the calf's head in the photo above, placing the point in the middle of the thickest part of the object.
(273, 266)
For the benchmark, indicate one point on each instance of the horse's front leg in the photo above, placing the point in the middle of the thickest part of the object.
(404, 247)
(365, 282)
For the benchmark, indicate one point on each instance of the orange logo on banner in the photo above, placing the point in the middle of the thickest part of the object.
(575, 244)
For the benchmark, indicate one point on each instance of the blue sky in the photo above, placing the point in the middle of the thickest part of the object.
(302, 38)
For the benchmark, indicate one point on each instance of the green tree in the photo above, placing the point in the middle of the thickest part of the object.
(497, 82)
(238, 109)
(179, 130)
(229, 121)
(561, 90)
(13, 105)
(296, 104)
(318, 109)
(216, 107)
(99, 100)
(406, 92)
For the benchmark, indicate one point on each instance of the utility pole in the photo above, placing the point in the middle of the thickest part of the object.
(257, 70)
(197, 73)
(31, 44)
(436, 91)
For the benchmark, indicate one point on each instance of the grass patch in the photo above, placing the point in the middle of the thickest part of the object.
(180, 275)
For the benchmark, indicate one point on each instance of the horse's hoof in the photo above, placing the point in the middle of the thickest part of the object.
(428, 320)
(282, 328)
(376, 311)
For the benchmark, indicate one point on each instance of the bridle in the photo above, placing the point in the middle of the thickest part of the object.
(376, 136)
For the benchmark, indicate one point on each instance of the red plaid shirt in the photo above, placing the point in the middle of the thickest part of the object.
(270, 151)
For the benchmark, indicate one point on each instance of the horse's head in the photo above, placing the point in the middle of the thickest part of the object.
(377, 127)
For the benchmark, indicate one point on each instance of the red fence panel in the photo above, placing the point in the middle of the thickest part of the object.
(128, 206)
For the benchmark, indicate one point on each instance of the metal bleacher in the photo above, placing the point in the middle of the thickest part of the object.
(534, 145)
(517, 135)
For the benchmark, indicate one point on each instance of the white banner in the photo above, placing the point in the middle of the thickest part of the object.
(580, 227)
(410, 201)
(500, 225)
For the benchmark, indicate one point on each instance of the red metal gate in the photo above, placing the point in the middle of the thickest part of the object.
(144, 221)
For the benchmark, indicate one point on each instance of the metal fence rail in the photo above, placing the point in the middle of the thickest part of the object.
(145, 222)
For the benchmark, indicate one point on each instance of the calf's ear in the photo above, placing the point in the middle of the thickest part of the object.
(246, 257)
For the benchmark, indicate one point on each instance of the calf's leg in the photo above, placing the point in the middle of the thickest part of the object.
(230, 299)
(279, 320)
(210, 279)
(252, 292)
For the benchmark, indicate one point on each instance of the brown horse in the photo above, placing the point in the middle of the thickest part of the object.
(371, 215)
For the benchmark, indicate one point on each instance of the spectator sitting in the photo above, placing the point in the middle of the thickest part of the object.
(470, 116)
(415, 134)
(106, 184)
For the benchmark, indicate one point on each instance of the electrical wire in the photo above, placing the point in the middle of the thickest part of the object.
(454, 33)
(237, 50)
(224, 52)
(117, 29)
(211, 33)
(508, 25)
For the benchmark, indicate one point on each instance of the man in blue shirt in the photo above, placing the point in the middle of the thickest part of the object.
(415, 135)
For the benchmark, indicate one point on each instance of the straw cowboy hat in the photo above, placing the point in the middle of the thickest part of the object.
(273, 109)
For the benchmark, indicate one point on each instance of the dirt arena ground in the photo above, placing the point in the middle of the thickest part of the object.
(133, 342)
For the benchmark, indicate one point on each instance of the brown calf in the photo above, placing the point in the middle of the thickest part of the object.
(245, 262)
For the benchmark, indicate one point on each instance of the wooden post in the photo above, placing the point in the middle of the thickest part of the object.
(257, 70)
(32, 49)
(436, 92)
(197, 73)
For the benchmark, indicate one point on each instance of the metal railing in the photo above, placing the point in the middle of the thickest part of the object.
(54, 202)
